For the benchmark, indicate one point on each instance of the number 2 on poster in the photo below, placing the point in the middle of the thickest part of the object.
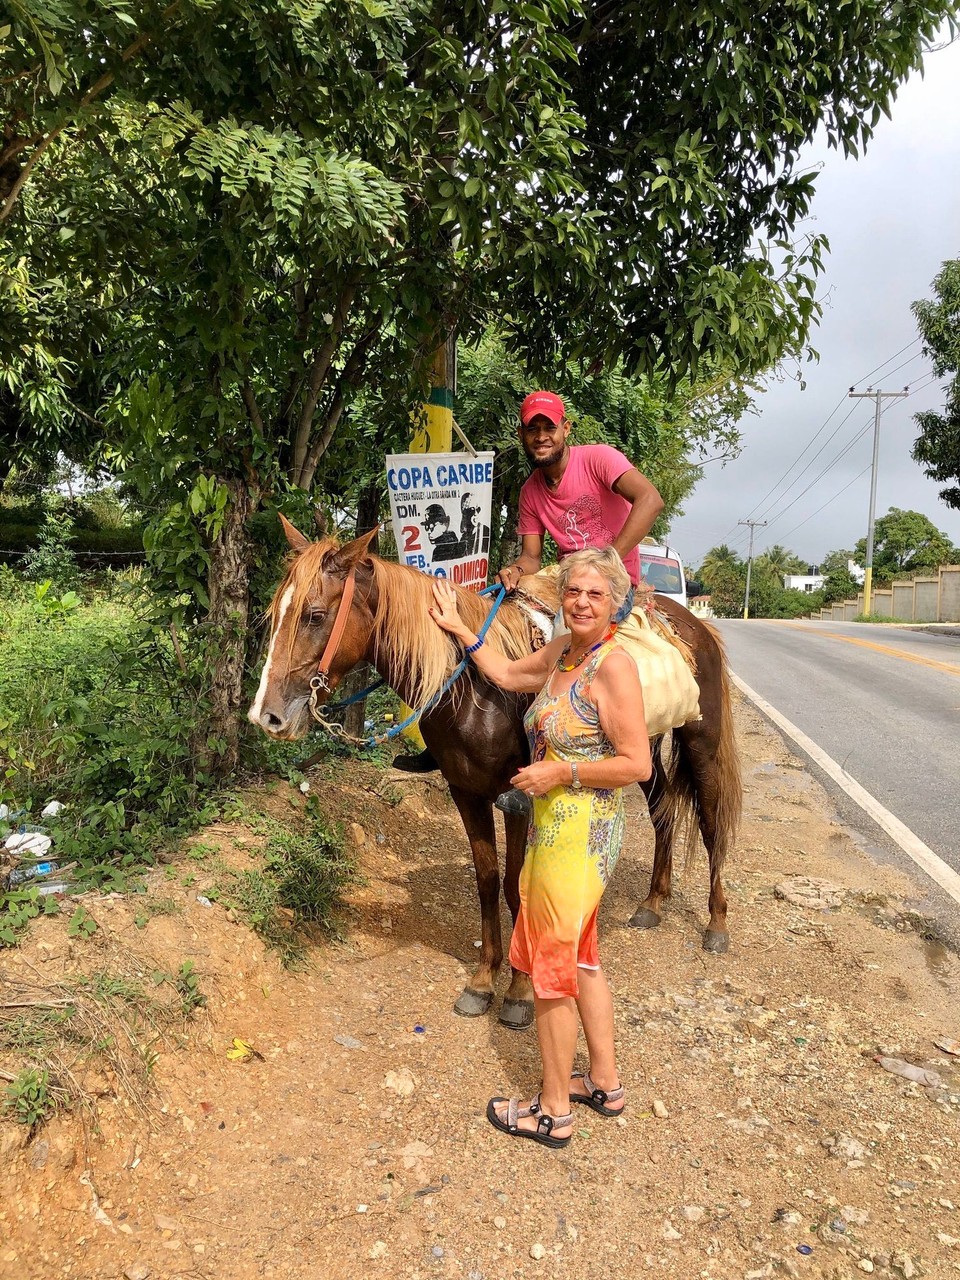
(411, 536)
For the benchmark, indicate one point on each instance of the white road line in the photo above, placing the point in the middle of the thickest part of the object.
(911, 845)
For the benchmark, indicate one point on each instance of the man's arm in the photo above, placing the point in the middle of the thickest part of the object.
(646, 505)
(528, 561)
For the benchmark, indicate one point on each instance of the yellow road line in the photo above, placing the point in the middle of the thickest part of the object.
(948, 667)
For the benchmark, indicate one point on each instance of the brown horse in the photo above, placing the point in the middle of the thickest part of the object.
(339, 605)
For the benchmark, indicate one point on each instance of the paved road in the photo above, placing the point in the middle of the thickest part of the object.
(884, 702)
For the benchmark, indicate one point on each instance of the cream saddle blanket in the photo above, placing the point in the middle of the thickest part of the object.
(671, 696)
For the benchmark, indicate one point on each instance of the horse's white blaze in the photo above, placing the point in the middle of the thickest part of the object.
(255, 711)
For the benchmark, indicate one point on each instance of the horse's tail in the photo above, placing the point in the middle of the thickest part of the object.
(705, 789)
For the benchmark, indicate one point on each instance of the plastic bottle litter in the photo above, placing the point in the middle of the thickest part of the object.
(920, 1075)
(33, 872)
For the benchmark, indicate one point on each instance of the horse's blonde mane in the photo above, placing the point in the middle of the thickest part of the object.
(404, 634)
(407, 637)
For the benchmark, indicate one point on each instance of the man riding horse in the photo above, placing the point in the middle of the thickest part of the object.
(587, 495)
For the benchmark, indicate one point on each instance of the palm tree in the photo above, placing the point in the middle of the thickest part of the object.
(778, 562)
(717, 562)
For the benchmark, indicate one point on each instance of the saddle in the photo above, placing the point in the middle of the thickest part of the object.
(665, 662)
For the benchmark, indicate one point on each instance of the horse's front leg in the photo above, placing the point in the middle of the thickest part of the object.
(517, 1008)
(477, 816)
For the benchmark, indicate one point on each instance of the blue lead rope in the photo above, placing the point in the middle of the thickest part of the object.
(376, 740)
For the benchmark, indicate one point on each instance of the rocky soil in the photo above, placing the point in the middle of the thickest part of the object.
(761, 1138)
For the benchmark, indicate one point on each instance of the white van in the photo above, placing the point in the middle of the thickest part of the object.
(662, 568)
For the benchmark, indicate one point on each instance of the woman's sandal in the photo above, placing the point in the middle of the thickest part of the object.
(545, 1124)
(597, 1099)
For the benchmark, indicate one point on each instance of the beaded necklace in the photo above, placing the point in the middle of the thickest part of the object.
(572, 666)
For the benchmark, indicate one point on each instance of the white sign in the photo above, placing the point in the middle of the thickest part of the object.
(440, 504)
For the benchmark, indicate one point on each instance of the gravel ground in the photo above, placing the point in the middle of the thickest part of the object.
(761, 1137)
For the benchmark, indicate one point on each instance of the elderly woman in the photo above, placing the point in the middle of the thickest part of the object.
(588, 739)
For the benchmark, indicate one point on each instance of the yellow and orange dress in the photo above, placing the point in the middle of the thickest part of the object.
(572, 845)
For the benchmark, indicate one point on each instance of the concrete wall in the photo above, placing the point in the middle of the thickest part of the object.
(915, 600)
(902, 604)
(926, 593)
(949, 594)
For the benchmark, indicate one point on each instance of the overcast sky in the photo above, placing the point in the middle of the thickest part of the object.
(892, 218)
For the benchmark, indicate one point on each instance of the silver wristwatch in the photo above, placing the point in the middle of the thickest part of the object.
(575, 783)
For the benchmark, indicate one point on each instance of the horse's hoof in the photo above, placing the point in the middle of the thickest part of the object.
(644, 918)
(716, 942)
(473, 1004)
(517, 1014)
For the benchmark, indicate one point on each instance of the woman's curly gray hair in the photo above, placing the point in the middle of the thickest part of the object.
(607, 563)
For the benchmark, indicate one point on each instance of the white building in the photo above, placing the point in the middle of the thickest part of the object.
(814, 581)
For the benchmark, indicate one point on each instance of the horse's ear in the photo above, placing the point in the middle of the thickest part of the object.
(296, 539)
(352, 553)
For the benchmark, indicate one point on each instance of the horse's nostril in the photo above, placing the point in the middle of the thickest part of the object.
(271, 721)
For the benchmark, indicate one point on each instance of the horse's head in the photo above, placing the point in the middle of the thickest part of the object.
(305, 618)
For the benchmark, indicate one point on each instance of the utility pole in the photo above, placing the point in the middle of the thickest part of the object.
(754, 524)
(877, 397)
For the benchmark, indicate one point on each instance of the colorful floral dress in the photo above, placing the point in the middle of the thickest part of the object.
(572, 846)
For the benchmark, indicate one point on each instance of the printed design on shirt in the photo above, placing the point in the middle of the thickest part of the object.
(584, 524)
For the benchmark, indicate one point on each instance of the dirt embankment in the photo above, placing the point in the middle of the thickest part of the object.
(353, 1143)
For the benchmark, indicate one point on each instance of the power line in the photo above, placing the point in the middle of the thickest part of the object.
(827, 503)
(913, 343)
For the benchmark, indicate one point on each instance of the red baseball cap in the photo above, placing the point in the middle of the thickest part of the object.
(544, 402)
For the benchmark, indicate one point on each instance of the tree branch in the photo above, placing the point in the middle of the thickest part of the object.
(93, 92)
(317, 376)
(352, 371)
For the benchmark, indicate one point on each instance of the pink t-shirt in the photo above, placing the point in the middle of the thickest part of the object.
(583, 511)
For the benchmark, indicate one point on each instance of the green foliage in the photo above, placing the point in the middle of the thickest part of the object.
(81, 924)
(839, 583)
(188, 986)
(906, 542)
(768, 596)
(720, 565)
(17, 908)
(29, 1097)
(938, 445)
(52, 560)
(96, 711)
(299, 884)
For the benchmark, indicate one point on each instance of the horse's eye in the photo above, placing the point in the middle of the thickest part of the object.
(316, 617)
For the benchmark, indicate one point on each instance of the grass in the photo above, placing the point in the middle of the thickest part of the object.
(297, 888)
(112, 1020)
(876, 617)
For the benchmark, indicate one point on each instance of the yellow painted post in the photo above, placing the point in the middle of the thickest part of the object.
(433, 433)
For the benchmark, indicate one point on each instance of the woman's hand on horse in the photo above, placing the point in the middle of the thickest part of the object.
(537, 779)
(444, 610)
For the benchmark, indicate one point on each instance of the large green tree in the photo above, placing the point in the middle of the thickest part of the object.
(938, 445)
(906, 542)
(249, 212)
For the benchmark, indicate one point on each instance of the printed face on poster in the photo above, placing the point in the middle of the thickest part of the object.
(440, 504)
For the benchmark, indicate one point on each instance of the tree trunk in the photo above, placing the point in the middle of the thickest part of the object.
(229, 588)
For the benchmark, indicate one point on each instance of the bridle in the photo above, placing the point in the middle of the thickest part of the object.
(319, 682)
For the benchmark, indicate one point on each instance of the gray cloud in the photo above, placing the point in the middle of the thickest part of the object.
(892, 218)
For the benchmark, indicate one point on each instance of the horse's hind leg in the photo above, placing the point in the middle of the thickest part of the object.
(656, 790)
(517, 1008)
(477, 816)
(703, 763)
